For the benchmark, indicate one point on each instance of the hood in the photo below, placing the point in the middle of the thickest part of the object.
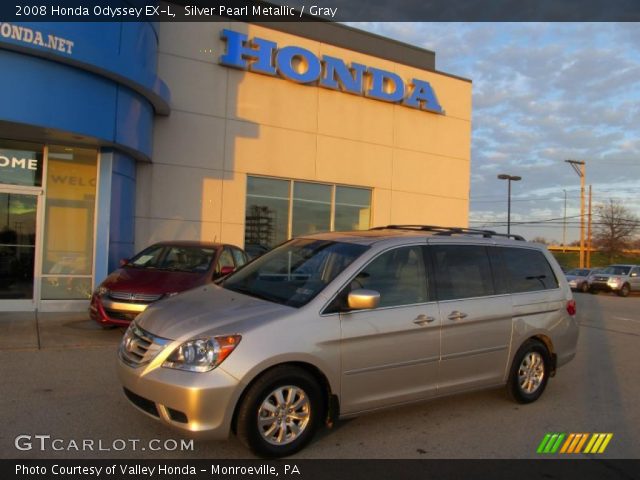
(142, 280)
(208, 310)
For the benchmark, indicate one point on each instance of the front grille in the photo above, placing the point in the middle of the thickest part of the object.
(142, 403)
(134, 297)
(120, 315)
(139, 347)
(601, 279)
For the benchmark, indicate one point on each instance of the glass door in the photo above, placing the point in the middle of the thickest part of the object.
(18, 219)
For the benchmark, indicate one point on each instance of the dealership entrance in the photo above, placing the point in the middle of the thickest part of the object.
(47, 224)
(18, 229)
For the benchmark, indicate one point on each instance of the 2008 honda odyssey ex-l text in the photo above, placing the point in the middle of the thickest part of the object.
(338, 324)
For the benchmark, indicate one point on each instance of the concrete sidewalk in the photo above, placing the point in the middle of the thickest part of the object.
(38, 330)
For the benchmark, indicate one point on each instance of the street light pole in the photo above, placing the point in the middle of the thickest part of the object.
(509, 179)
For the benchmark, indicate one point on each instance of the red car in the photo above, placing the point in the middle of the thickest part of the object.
(161, 270)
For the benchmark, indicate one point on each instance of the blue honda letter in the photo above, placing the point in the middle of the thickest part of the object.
(239, 49)
(423, 97)
(381, 78)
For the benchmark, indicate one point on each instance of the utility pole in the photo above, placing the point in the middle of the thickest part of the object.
(564, 224)
(579, 167)
(589, 233)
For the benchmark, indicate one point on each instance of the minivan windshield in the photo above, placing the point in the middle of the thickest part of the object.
(616, 270)
(174, 258)
(295, 272)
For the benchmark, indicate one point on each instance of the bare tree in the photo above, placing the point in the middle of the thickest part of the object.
(615, 227)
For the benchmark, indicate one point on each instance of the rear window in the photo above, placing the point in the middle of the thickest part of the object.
(528, 270)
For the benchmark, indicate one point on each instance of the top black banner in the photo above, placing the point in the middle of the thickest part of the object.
(322, 10)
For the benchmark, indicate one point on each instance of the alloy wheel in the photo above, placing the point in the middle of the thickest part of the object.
(284, 415)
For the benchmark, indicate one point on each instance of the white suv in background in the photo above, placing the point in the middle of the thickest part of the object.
(621, 279)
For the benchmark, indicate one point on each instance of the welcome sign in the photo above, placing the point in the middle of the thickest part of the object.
(300, 65)
(20, 167)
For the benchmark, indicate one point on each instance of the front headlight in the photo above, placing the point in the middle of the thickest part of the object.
(614, 280)
(202, 354)
(101, 291)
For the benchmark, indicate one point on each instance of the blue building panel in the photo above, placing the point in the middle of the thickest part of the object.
(134, 121)
(123, 199)
(96, 80)
(51, 95)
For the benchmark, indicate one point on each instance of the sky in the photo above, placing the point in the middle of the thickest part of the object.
(542, 93)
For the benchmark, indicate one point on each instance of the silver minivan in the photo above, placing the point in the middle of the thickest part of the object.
(339, 324)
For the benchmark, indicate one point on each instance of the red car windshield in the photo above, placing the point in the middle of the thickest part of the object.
(174, 258)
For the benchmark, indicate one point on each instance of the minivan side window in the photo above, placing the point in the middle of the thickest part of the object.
(528, 270)
(398, 275)
(462, 271)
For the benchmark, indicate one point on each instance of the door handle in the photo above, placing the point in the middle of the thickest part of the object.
(423, 319)
(456, 315)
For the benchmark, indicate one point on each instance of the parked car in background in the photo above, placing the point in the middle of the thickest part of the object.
(578, 279)
(339, 324)
(160, 271)
(621, 279)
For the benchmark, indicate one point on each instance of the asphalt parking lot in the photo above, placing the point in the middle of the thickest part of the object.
(59, 380)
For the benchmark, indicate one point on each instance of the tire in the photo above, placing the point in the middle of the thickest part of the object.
(529, 372)
(262, 422)
(624, 291)
(584, 287)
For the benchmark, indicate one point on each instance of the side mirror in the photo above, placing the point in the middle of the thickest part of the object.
(226, 270)
(123, 262)
(362, 299)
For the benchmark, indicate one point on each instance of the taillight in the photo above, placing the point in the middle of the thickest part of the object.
(571, 307)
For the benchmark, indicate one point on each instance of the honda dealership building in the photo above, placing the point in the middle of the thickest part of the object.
(117, 135)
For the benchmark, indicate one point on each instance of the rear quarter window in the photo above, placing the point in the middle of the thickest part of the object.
(528, 270)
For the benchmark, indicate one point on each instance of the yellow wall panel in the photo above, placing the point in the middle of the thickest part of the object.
(353, 163)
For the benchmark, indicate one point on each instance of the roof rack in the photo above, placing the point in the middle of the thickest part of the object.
(450, 231)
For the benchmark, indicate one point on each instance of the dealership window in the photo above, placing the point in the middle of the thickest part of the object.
(352, 208)
(69, 223)
(311, 208)
(279, 209)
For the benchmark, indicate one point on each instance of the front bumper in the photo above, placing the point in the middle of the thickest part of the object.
(606, 287)
(109, 312)
(200, 403)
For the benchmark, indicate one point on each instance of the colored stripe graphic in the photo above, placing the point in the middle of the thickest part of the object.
(551, 443)
(598, 443)
(573, 443)
(543, 443)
